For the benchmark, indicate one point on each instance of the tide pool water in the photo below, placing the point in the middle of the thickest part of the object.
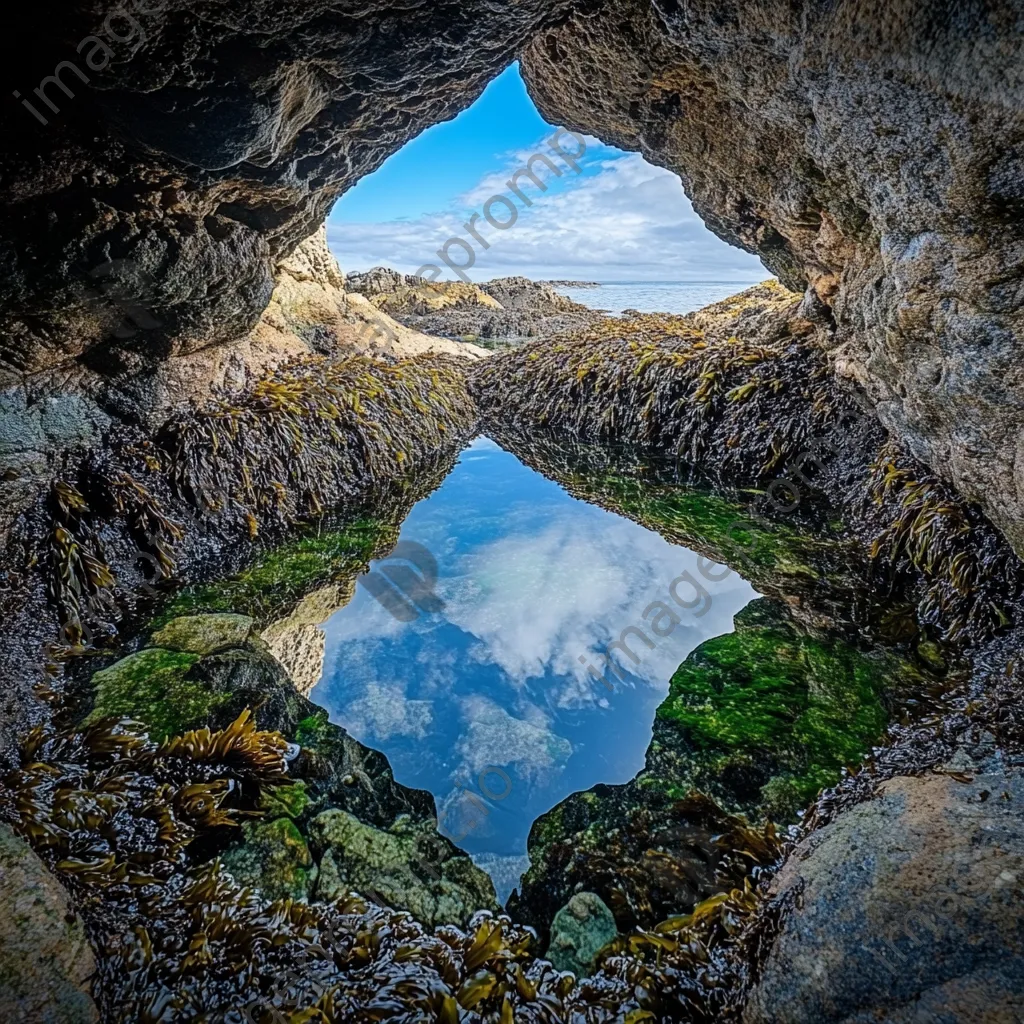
(483, 694)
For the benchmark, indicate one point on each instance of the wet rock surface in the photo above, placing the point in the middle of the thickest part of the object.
(405, 866)
(578, 932)
(46, 963)
(906, 908)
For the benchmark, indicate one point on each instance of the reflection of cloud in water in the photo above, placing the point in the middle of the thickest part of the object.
(494, 737)
(531, 579)
(385, 711)
(536, 602)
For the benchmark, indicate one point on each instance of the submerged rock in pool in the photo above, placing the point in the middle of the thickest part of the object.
(580, 929)
(399, 865)
(274, 859)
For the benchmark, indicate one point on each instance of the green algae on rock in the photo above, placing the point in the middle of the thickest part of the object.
(204, 634)
(282, 575)
(152, 686)
(400, 865)
(273, 858)
(765, 717)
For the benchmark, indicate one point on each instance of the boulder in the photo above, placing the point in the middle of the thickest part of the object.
(45, 960)
(578, 932)
(407, 866)
(204, 634)
(905, 908)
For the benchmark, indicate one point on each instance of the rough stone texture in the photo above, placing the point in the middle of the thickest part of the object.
(505, 308)
(907, 908)
(204, 634)
(401, 865)
(578, 932)
(45, 960)
(207, 141)
(870, 153)
(296, 639)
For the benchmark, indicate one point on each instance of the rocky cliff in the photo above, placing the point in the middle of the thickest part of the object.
(870, 154)
(173, 154)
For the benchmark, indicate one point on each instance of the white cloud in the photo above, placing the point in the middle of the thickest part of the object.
(627, 221)
(538, 600)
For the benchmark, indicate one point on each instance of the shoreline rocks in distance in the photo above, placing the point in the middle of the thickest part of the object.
(503, 312)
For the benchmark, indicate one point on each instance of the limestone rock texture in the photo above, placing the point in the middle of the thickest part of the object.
(45, 961)
(872, 154)
(905, 908)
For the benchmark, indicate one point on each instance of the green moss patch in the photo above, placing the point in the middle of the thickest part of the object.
(781, 709)
(285, 574)
(152, 686)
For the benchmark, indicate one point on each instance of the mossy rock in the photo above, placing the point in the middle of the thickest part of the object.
(579, 931)
(204, 634)
(767, 716)
(282, 576)
(407, 866)
(153, 686)
(274, 859)
(286, 801)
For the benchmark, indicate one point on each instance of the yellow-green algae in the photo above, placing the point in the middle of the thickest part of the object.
(768, 699)
(286, 573)
(152, 687)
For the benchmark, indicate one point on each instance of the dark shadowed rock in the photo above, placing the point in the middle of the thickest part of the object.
(906, 908)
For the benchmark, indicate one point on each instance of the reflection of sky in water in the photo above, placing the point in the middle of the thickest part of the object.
(531, 579)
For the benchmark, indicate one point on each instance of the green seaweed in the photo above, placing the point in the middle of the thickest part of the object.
(152, 686)
(789, 709)
(286, 801)
(286, 573)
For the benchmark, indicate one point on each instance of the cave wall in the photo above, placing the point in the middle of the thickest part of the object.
(180, 148)
(160, 159)
(870, 152)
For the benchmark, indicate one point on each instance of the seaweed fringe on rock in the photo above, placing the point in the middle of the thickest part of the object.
(741, 392)
(119, 819)
(715, 400)
(314, 436)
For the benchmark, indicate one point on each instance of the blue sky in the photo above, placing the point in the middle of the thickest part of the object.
(618, 219)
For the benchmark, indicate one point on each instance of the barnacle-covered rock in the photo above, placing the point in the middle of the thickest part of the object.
(45, 960)
(401, 865)
(579, 930)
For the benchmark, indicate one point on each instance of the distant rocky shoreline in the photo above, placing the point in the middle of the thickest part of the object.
(496, 314)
